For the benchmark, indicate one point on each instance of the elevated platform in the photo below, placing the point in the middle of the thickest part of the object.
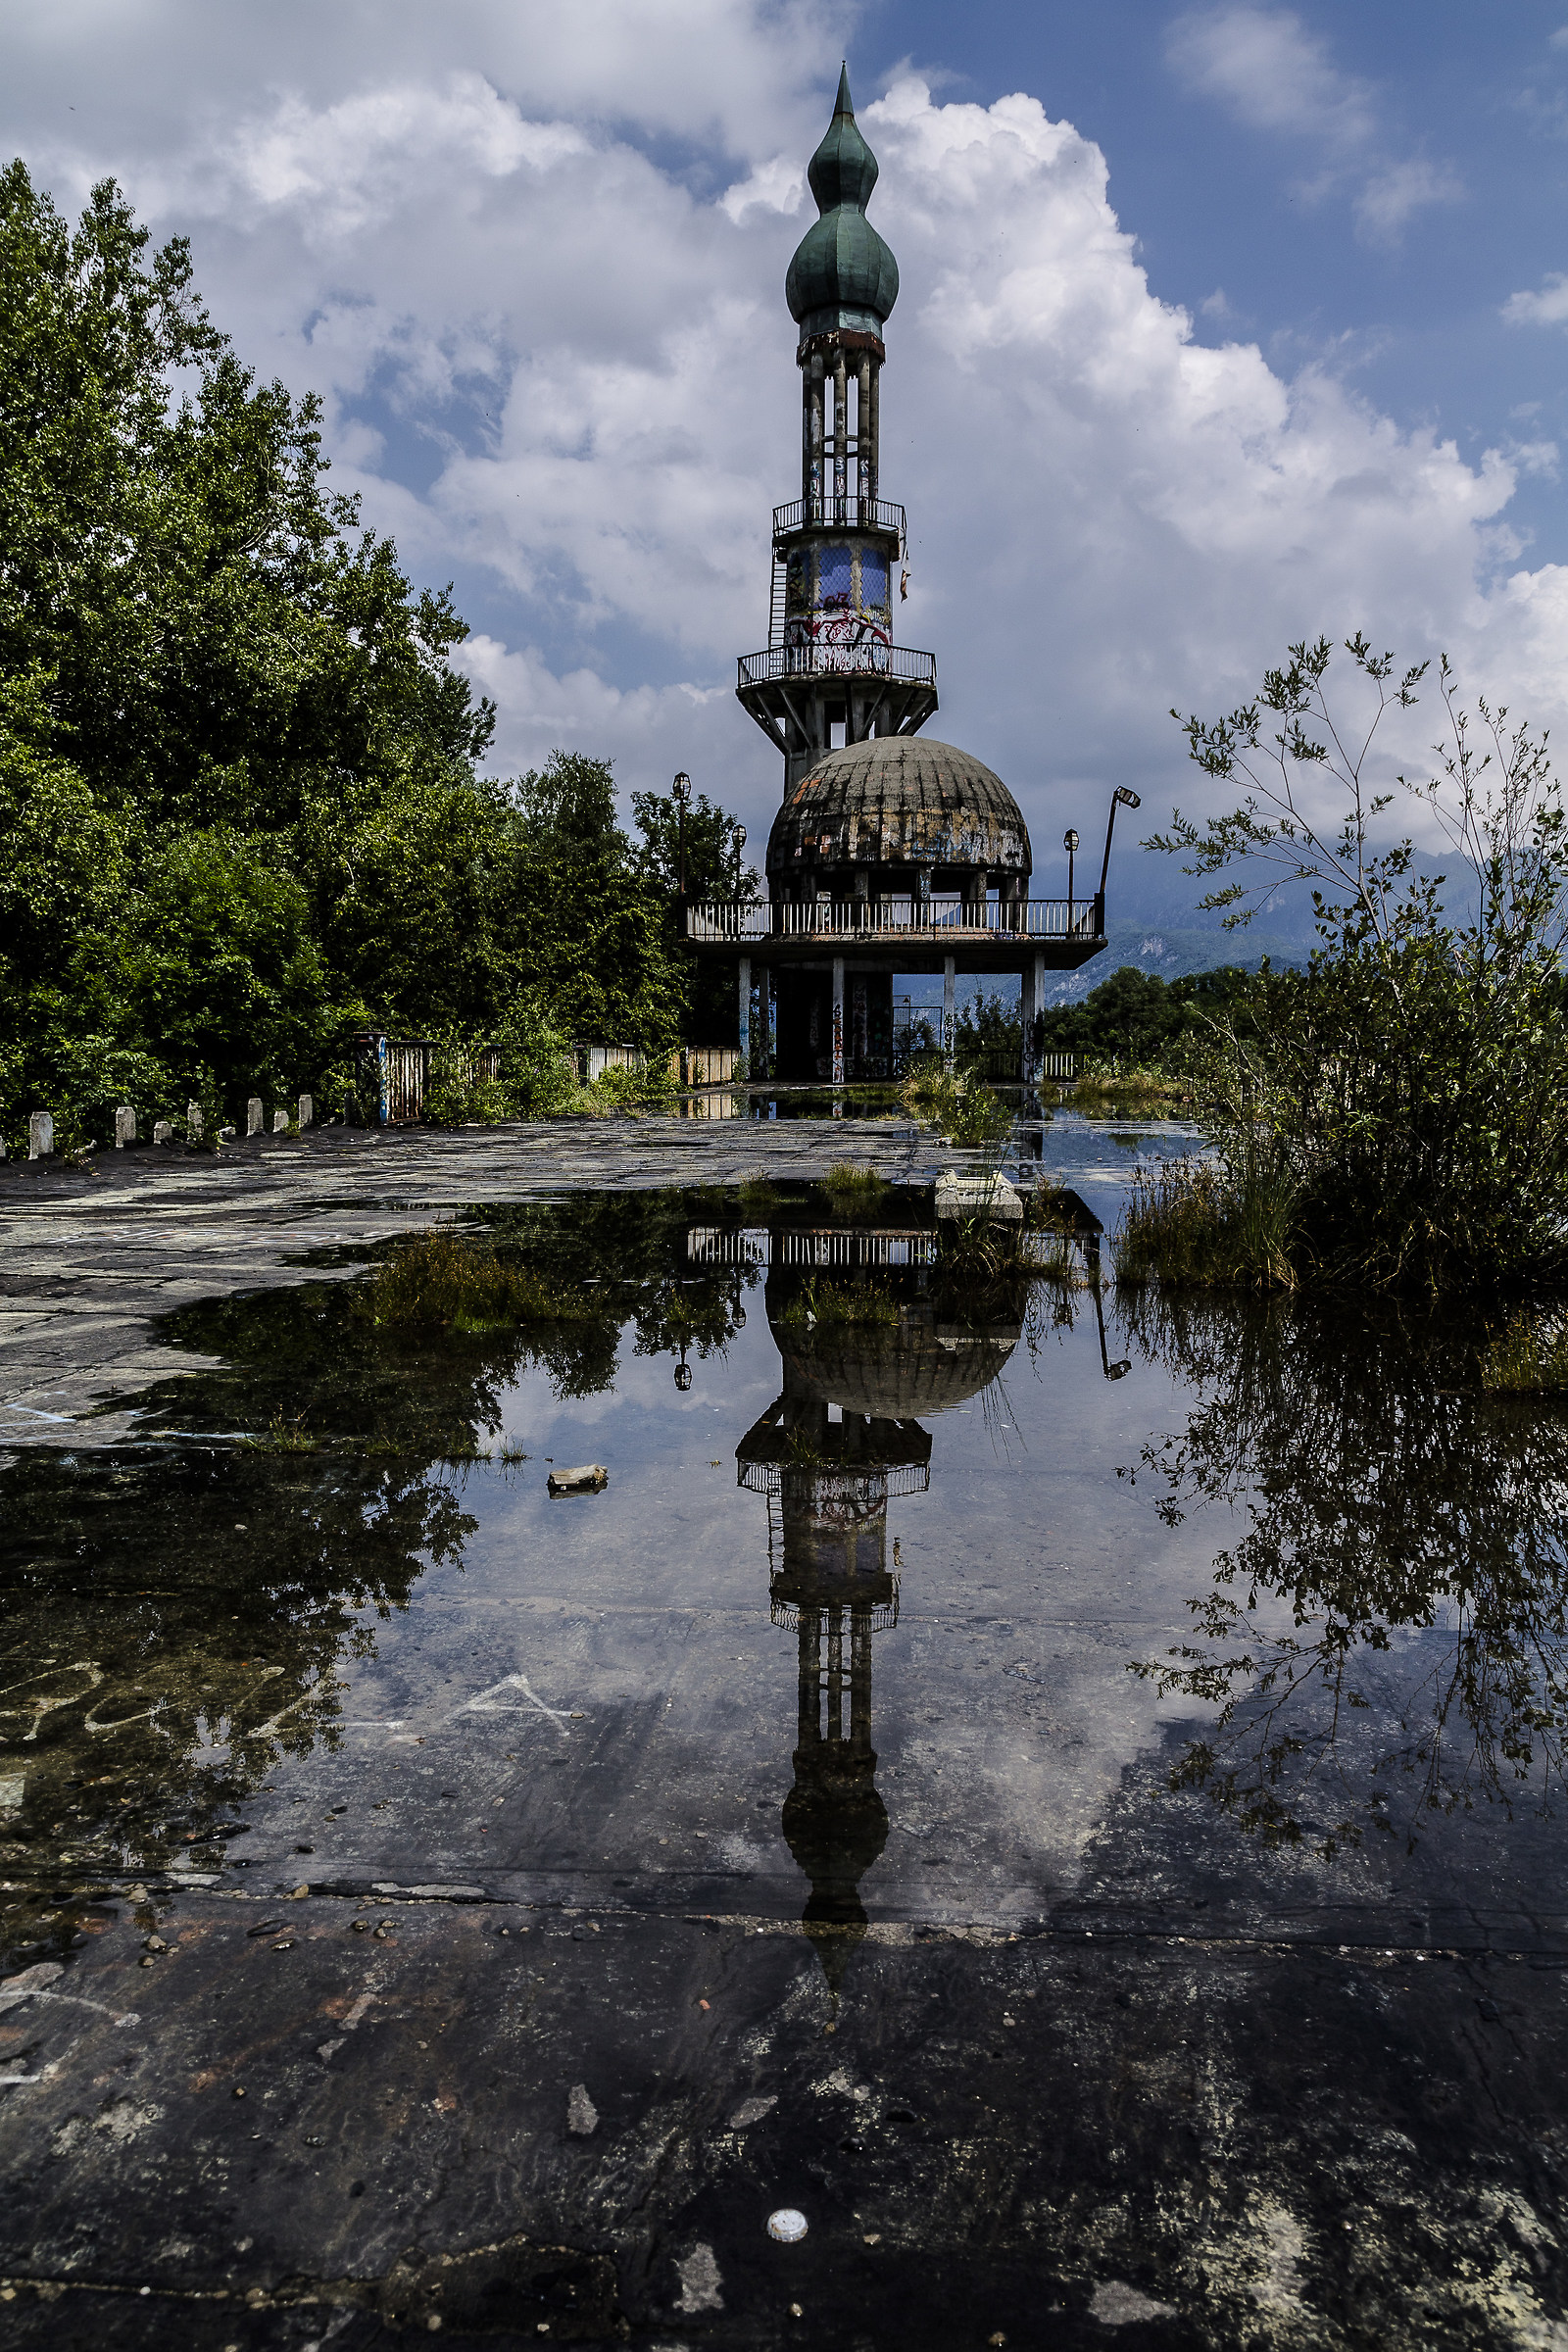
(900, 935)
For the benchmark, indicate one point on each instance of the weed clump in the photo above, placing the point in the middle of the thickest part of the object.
(438, 1282)
(963, 1107)
(1201, 1225)
(818, 1302)
(756, 1195)
(1529, 1357)
(1104, 1092)
(854, 1190)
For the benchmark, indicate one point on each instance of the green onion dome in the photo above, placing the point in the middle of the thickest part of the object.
(843, 274)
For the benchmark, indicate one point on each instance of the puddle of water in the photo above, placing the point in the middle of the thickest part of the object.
(910, 1618)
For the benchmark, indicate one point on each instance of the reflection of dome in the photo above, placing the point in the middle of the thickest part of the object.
(903, 801)
(843, 274)
(893, 1375)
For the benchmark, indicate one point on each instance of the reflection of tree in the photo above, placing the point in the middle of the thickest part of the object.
(176, 1621)
(1384, 1495)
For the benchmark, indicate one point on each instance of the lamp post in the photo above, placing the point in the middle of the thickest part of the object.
(1121, 798)
(680, 792)
(1069, 842)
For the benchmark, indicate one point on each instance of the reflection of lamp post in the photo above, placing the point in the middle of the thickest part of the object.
(680, 792)
(1069, 842)
(1121, 798)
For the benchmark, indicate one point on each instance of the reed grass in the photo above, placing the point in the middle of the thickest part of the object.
(853, 1188)
(1529, 1357)
(1196, 1224)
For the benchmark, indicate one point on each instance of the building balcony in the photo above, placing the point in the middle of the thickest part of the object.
(839, 651)
(1076, 925)
(851, 513)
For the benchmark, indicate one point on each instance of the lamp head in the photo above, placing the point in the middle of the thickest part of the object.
(681, 789)
(1069, 840)
(683, 1376)
(740, 837)
(1128, 800)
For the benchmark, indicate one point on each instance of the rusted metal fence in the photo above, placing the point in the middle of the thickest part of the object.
(392, 1076)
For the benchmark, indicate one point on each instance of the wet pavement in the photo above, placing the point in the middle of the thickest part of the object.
(1056, 1787)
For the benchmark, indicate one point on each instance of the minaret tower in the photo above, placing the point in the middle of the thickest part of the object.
(831, 674)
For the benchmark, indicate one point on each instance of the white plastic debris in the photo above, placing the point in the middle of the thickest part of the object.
(787, 2225)
(589, 1478)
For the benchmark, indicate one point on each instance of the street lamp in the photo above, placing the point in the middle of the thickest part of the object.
(1069, 842)
(1121, 798)
(680, 793)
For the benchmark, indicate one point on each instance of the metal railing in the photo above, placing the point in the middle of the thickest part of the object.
(848, 512)
(756, 1246)
(718, 921)
(869, 659)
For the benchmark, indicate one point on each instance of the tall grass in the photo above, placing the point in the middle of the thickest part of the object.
(830, 1302)
(854, 1189)
(1529, 1357)
(1201, 1224)
(437, 1281)
(966, 1110)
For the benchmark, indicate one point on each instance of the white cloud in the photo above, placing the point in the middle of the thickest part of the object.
(1274, 75)
(1271, 73)
(545, 309)
(1549, 306)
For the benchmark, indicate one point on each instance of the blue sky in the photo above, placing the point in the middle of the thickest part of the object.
(1219, 326)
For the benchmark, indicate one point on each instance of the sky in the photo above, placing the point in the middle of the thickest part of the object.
(1220, 326)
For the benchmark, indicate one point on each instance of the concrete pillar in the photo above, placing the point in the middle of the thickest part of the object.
(280, 1122)
(307, 1110)
(162, 1133)
(194, 1122)
(765, 1027)
(1040, 1002)
(949, 972)
(862, 434)
(1026, 1021)
(125, 1126)
(252, 1115)
(922, 894)
(838, 1020)
(873, 425)
(40, 1135)
(744, 1025)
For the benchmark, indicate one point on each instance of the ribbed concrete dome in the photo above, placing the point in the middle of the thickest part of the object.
(900, 800)
(910, 1374)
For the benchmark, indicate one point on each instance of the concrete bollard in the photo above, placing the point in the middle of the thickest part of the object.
(162, 1133)
(194, 1128)
(307, 1110)
(125, 1126)
(280, 1122)
(40, 1135)
(252, 1115)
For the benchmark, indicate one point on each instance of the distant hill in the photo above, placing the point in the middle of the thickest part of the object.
(1170, 951)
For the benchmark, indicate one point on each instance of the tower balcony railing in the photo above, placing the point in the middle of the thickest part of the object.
(824, 658)
(830, 512)
(745, 923)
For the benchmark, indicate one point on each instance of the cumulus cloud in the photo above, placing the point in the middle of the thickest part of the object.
(1546, 306)
(1274, 75)
(545, 309)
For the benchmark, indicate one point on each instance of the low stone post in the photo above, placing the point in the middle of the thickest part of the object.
(252, 1115)
(162, 1133)
(280, 1122)
(194, 1124)
(125, 1126)
(307, 1110)
(40, 1135)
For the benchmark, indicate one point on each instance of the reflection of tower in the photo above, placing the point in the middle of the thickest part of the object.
(835, 1444)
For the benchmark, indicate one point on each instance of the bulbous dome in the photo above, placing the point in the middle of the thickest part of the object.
(903, 801)
(843, 274)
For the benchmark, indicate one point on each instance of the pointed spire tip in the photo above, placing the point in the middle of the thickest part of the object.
(844, 104)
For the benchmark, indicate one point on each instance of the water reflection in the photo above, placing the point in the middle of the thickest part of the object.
(1385, 1641)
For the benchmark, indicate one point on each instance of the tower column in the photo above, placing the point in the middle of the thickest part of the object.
(838, 1020)
(949, 969)
(873, 428)
(1026, 1021)
(840, 438)
(744, 1025)
(814, 438)
(862, 438)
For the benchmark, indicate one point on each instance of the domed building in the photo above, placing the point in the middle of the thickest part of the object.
(892, 854)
